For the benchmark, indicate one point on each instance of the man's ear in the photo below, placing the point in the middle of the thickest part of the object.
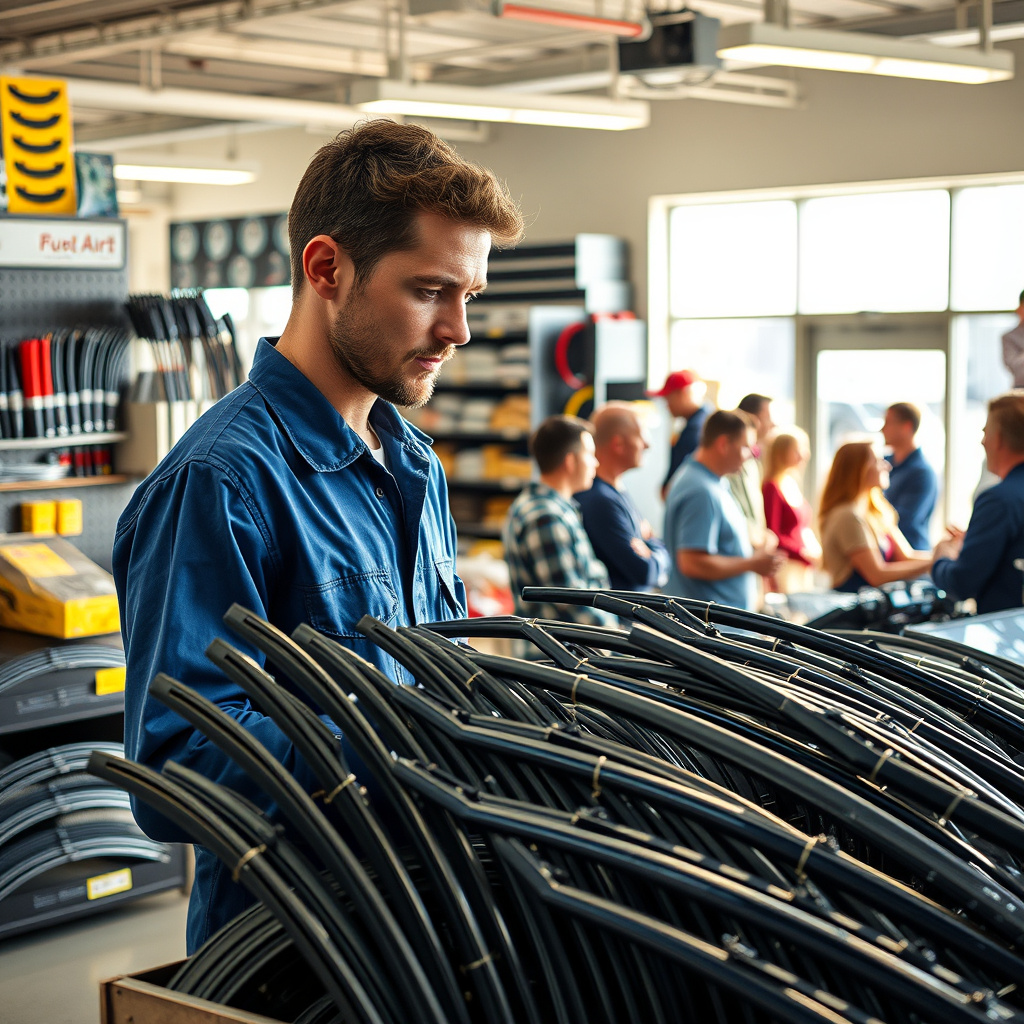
(328, 268)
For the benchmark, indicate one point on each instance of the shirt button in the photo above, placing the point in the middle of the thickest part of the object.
(379, 492)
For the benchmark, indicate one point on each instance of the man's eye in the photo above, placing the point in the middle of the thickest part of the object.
(430, 293)
(471, 297)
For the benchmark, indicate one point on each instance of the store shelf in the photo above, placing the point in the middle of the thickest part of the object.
(481, 436)
(66, 481)
(474, 387)
(483, 530)
(533, 293)
(64, 892)
(17, 444)
(507, 485)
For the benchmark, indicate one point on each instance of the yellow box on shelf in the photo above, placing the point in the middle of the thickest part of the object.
(39, 517)
(69, 517)
(52, 588)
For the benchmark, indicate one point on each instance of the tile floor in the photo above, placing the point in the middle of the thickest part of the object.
(52, 976)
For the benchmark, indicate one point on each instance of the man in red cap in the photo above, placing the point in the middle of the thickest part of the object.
(684, 393)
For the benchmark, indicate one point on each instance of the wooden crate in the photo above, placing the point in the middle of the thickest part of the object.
(143, 999)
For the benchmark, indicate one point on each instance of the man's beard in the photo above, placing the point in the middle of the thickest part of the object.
(358, 343)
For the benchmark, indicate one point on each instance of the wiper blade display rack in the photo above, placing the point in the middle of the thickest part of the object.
(705, 814)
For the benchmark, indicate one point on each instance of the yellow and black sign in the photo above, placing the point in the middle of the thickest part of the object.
(35, 121)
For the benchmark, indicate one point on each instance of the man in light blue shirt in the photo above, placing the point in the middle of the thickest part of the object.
(704, 526)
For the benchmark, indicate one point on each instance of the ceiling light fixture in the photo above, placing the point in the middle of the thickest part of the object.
(860, 53)
(467, 103)
(184, 170)
(565, 19)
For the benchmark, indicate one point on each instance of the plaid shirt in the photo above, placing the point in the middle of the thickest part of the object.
(546, 546)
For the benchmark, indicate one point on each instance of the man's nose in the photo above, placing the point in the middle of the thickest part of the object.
(453, 327)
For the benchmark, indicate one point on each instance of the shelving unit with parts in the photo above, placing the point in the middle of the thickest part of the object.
(68, 843)
(486, 400)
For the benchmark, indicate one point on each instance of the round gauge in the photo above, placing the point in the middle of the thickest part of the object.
(184, 242)
(281, 234)
(217, 239)
(277, 269)
(240, 272)
(252, 236)
(184, 275)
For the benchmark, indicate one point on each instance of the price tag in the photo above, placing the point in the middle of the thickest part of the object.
(106, 885)
(110, 680)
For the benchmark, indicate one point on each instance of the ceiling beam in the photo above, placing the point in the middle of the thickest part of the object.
(102, 38)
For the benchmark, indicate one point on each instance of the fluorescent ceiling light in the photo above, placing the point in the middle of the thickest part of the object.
(565, 19)
(860, 53)
(465, 103)
(186, 170)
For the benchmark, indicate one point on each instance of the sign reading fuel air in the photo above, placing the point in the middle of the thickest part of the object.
(77, 243)
(35, 126)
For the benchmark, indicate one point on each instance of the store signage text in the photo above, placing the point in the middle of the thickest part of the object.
(74, 243)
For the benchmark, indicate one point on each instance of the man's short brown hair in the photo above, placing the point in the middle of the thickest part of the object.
(555, 438)
(1006, 412)
(724, 424)
(366, 186)
(906, 412)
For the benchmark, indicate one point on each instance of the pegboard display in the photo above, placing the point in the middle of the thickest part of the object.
(37, 299)
(77, 277)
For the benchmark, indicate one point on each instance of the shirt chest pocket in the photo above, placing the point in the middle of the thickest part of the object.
(441, 591)
(336, 606)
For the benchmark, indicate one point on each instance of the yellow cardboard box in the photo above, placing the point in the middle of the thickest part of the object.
(39, 516)
(48, 586)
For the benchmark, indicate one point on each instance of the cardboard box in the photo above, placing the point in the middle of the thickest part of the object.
(69, 517)
(39, 517)
(48, 586)
(131, 999)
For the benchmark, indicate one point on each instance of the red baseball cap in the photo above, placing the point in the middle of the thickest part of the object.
(675, 381)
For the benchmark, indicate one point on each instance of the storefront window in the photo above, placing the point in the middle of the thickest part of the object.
(740, 357)
(733, 259)
(885, 253)
(988, 258)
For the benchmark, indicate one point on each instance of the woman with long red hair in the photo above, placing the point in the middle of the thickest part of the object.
(860, 536)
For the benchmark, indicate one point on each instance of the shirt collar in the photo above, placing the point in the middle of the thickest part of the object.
(543, 490)
(320, 435)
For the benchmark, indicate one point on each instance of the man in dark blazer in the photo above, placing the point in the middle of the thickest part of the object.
(978, 563)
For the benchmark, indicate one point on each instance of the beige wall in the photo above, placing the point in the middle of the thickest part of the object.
(851, 128)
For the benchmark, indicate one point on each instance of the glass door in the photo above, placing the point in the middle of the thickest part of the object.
(857, 372)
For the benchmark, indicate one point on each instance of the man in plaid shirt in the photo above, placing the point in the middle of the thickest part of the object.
(545, 543)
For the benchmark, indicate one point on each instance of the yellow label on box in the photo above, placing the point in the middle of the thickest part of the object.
(106, 885)
(36, 561)
(110, 680)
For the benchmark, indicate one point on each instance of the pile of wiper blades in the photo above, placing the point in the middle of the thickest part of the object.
(705, 815)
(195, 354)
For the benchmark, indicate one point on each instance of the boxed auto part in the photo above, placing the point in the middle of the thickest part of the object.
(48, 586)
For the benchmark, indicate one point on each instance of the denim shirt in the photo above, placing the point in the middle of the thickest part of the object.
(270, 500)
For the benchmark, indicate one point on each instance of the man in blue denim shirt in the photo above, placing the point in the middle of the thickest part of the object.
(304, 495)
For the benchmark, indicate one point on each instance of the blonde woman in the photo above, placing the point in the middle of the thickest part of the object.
(862, 543)
(787, 512)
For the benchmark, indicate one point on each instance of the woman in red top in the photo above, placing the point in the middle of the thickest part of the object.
(788, 513)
